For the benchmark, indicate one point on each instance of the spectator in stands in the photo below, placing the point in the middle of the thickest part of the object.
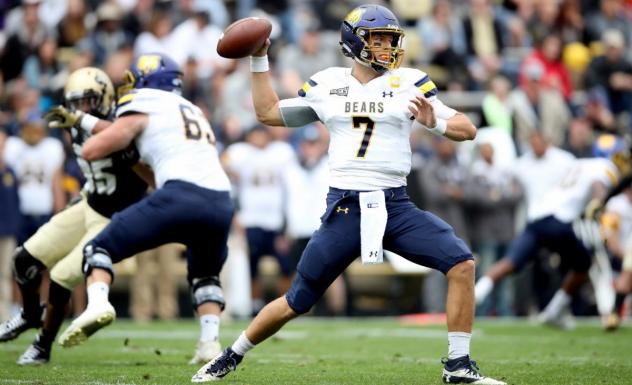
(580, 138)
(538, 109)
(155, 38)
(153, 287)
(107, 37)
(443, 40)
(483, 37)
(611, 16)
(611, 73)
(37, 161)
(297, 62)
(548, 54)
(493, 194)
(442, 180)
(495, 108)
(72, 27)
(21, 101)
(43, 72)
(9, 226)
(189, 38)
(570, 22)
(22, 40)
(256, 167)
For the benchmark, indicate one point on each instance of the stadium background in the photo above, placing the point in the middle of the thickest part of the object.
(515, 67)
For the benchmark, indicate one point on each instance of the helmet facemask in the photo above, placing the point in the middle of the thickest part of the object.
(381, 58)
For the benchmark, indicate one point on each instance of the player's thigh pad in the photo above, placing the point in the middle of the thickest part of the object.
(331, 249)
(55, 239)
(423, 237)
(68, 271)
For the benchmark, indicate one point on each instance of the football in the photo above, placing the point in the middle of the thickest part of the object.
(244, 37)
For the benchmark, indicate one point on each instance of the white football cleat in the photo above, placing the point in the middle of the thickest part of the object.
(205, 351)
(88, 323)
(564, 320)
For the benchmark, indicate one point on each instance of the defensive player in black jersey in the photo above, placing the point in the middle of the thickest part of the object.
(111, 185)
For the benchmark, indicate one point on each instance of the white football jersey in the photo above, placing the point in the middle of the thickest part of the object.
(369, 123)
(259, 182)
(178, 142)
(621, 207)
(35, 167)
(567, 200)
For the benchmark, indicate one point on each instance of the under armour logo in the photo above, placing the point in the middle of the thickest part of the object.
(384, 93)
(373, 254)
(343, 210)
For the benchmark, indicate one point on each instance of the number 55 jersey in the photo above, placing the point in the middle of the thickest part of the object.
(370, 123)
(178, 142)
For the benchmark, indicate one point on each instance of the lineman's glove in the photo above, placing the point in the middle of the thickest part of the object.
(60, 117)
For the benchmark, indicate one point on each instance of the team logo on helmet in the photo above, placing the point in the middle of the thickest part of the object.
(354, 16)
(148, 63)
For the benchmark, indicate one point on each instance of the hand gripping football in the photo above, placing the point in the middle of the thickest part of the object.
(244, 37)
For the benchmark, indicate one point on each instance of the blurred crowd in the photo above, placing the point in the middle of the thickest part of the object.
(540, 78)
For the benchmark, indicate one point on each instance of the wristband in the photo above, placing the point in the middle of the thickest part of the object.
(88, 123)
(439, 129)
(259, 64)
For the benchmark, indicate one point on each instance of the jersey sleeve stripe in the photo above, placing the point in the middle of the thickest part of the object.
(306, 87)
(612, 176)
(429, 88)
(125, 99)
(423, 80)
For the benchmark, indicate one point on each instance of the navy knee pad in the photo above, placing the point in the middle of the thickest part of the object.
(96, 257)
(28, 269)
(207, 289)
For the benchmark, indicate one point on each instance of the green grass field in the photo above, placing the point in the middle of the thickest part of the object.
(341, 351)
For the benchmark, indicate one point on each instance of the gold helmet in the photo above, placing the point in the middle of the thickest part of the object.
(89, 90)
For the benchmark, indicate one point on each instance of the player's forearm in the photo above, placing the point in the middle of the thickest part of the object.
(115, 137)
(100, 126)
(460, 128)
(265, 100)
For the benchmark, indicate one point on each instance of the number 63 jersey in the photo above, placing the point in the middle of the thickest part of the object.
(178, 142)
(370, 123)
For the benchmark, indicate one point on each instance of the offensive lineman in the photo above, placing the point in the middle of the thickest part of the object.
(551, 226)
(370, 110)
(111, 185)
(191, 204)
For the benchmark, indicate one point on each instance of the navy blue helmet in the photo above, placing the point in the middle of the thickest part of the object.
(157, 71)
(356, 31)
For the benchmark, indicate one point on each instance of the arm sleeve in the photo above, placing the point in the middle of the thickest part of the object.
(297, 112)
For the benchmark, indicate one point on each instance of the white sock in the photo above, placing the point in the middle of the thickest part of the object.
(98, 293)
(209, 323)
(483, 287)
(242, 345)
(458, 344)
(560, 300)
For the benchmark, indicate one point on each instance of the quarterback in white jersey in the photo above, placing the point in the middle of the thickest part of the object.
(369, 110)
(551, 226)
(191, 204)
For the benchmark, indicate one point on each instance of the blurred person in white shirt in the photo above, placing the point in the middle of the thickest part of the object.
(37, 161)
(256, 167)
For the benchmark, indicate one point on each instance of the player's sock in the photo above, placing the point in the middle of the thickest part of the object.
(98, 294)
(483, 287)
(242, 345)
(458, 344)
(560, 300)
(56, 311)
(209, 323)
(618, 302)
